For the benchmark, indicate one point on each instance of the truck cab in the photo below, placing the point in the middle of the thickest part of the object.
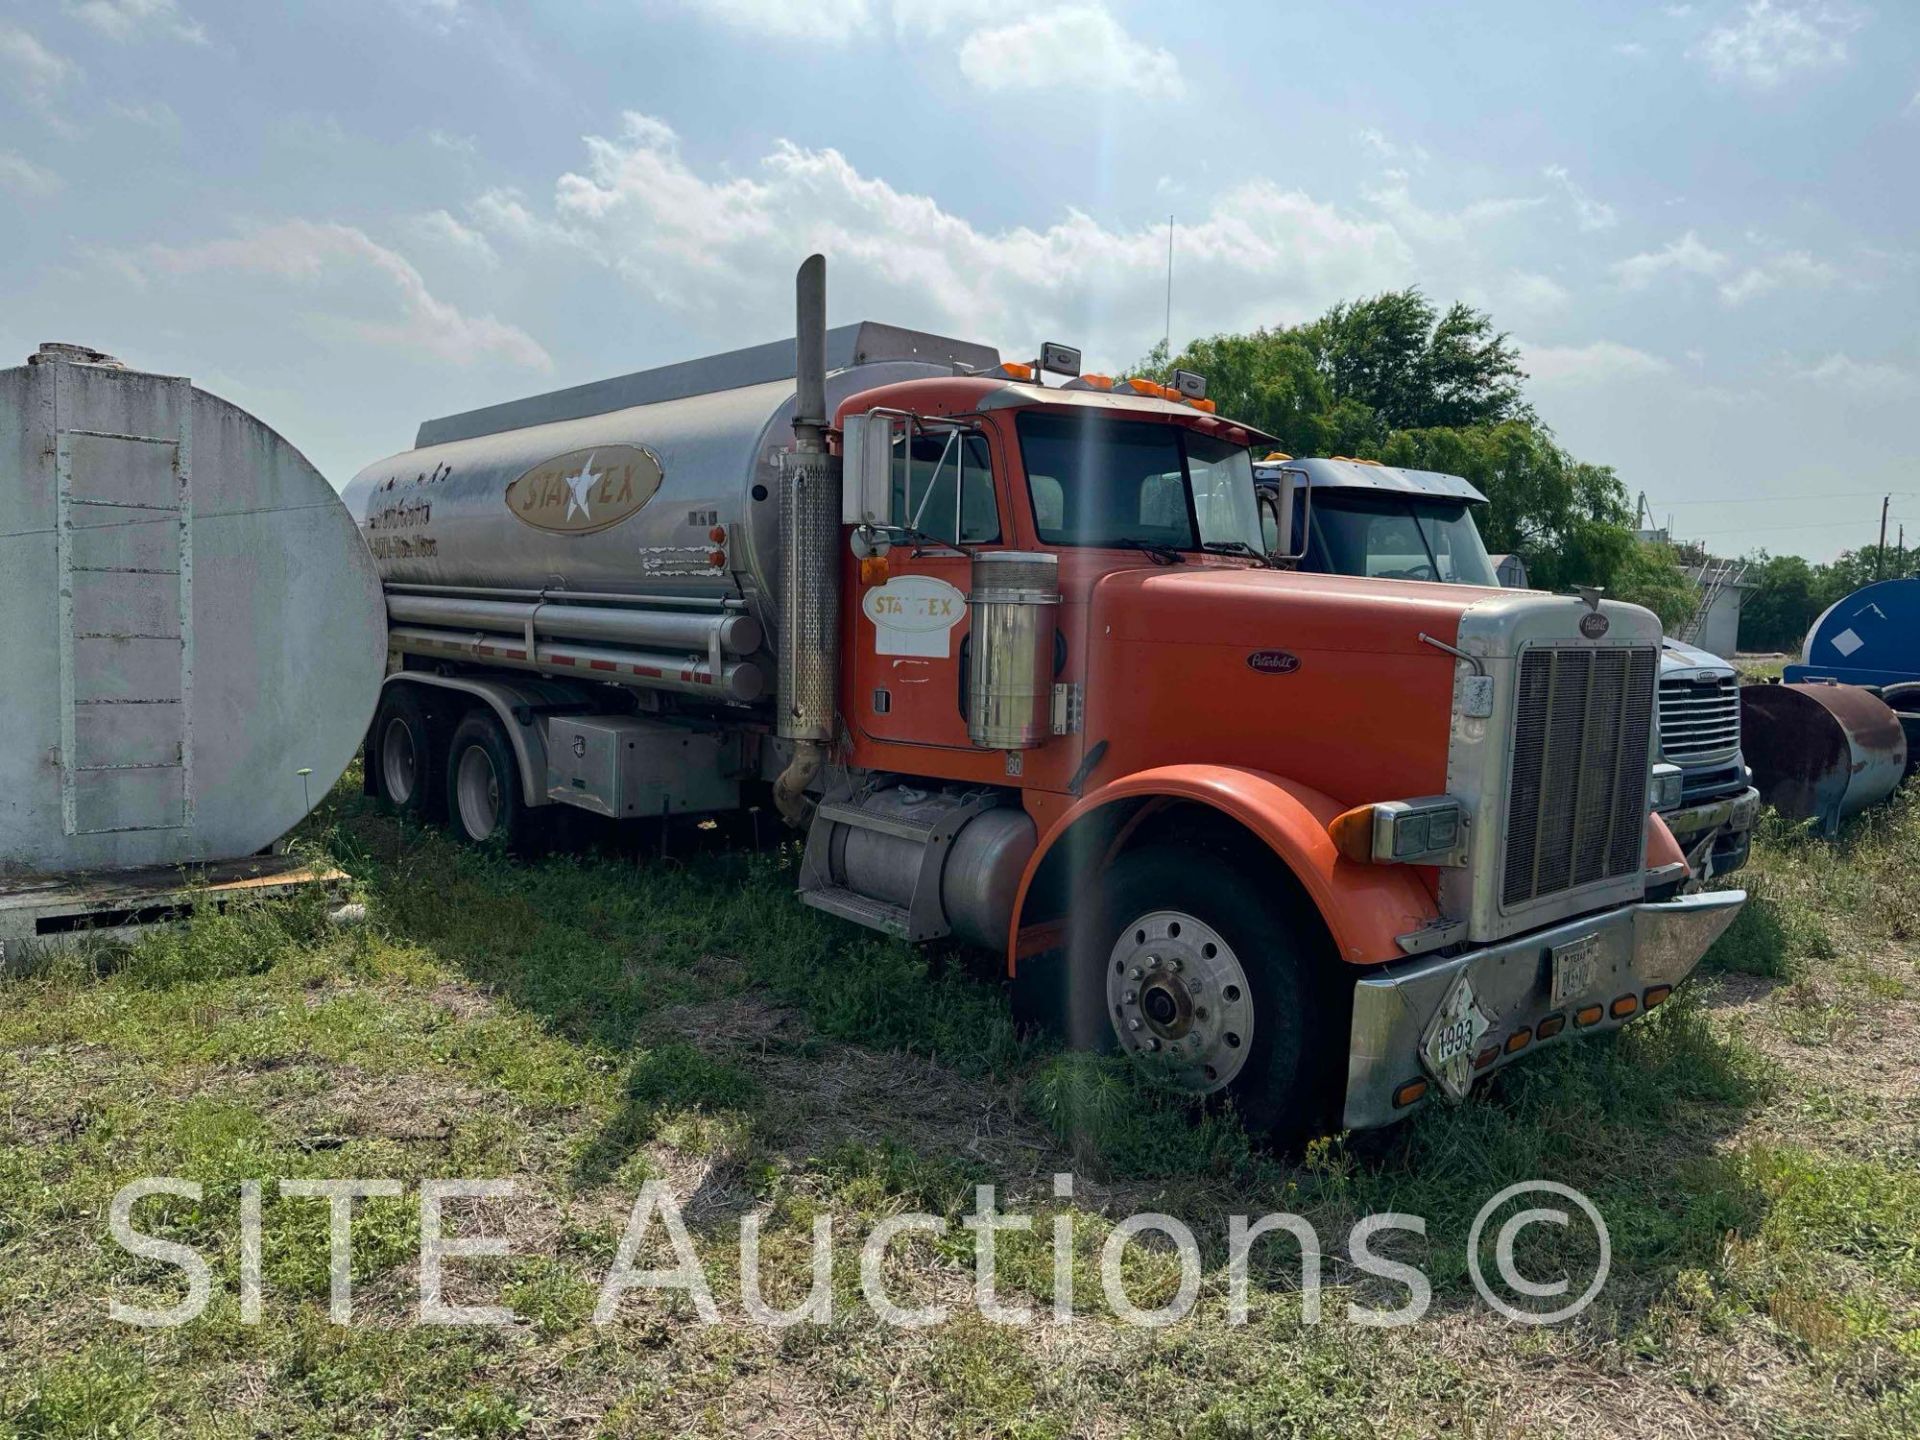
(1358, 517)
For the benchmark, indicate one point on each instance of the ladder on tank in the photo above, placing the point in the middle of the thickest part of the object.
(1715, 577)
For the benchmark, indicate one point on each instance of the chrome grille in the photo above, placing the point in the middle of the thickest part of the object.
(1577, 801)
(1699, 720)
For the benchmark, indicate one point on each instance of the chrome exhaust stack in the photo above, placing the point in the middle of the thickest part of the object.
(807, 650)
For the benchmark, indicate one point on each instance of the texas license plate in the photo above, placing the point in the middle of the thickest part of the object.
(1576, 966)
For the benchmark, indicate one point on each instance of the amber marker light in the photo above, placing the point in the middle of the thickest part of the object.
(1657, 995)
(1625, 1006)
(1588, 1015)
(1519, 1040)
(1550, 1027)
(1352, 834)
(1409, 1093)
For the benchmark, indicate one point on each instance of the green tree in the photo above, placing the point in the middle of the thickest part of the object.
(1414, 367)
(1650, 575)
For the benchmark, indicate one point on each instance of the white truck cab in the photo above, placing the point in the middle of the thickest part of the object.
(1358, 517)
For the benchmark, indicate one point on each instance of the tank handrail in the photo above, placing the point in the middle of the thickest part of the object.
(569, 597)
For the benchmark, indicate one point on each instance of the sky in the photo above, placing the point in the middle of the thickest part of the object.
(1699, 222)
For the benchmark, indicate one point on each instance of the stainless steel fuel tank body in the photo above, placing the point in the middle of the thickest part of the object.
(677, 498)
(192, 635)
(1013, 611)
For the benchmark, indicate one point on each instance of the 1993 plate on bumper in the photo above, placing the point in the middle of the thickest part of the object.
(1576, 966)
(1452, 1036)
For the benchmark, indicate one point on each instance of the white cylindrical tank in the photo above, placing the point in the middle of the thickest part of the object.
(188, 621)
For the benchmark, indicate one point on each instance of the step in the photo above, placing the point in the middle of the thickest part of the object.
(860, 909)
(920, 831)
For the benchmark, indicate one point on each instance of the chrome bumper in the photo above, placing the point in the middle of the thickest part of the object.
(1731, 812)
(1633, 949)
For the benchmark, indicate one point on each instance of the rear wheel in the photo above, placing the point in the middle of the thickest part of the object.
(1203, 974)
(403, 754)
(483, 782)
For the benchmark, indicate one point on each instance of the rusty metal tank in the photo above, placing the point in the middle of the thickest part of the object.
(1821, 751)
(191, 633)
(661, 484)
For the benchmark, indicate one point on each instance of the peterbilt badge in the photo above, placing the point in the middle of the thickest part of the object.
(1593, 625)
(1273, 662)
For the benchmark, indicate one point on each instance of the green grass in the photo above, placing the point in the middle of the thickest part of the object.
(586, 1024)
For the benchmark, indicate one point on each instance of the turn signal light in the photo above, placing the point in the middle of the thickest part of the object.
(1205, 406)
(1588, 1015)
(1519, 1040)
(1486, 1057)
(1550, 1027)
(1625, 1006)
(718, 534)
(1352, 834)
(1097, 382)
(1016, 371)
(1408, 1093)
(717, 558)
(1657, 994)
(873, 570)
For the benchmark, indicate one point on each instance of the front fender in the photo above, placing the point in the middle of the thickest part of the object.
(1365, 907)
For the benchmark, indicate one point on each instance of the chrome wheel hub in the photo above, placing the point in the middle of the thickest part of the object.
(1176, 991)
(478, 793)
(399, 762)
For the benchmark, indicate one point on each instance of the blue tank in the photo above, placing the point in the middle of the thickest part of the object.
(1870, 638)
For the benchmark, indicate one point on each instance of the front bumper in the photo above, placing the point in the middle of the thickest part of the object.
(1625, 952)
(1730, 812)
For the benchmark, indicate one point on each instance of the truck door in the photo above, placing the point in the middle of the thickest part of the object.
(910, 634)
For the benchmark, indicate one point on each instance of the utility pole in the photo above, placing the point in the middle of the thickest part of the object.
(1167, 339)
(1880, 555)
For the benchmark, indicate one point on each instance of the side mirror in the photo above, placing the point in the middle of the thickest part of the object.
(1286, 545)
(866, 494)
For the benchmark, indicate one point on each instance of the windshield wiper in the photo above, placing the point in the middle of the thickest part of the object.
(1162, 554)
(1237, 547)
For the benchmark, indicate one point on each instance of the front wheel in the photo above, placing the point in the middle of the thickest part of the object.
(483, 783)
(1205, 975)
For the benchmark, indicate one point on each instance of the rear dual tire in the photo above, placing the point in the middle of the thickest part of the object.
(484, 805)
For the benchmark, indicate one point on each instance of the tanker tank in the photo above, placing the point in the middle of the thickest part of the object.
(192, 635)
(650, 500)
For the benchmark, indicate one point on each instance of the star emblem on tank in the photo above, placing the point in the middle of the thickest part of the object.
(577, 487)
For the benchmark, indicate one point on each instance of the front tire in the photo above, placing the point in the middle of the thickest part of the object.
(1204, 974)
(483, 783)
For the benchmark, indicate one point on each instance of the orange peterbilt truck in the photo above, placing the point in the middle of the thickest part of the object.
(1016, 659)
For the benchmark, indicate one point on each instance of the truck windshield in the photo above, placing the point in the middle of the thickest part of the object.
(1096, 481)
(1395, 537)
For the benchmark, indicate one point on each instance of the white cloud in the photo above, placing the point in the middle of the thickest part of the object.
(153, 114)
(22, 177)
(129, 19)
(1791, 267)
(1867, 379)
(37, 72)
(438, 227)
(451, 143)
(1766, 43)
(1591, 214)
(1080, 47)
(718, 252)
(1387, 150)
(307, 252)
(1532, 294)
(1631, 49)
(1687, 256)
(1594, 364)
(1441, 227)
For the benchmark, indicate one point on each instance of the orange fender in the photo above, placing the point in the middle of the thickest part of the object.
(1365, 907)
(1662, 848)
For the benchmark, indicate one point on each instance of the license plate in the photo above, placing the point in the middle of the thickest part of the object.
(1576, 966)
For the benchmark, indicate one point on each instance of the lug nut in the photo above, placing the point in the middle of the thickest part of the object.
(1134, 974)
(1153, 1043)
(1132, 997)
(1133, 1024)
(1153, 962)
(1174, 963)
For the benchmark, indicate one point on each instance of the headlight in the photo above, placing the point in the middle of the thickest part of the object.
(1429, 831)
(1663, 789)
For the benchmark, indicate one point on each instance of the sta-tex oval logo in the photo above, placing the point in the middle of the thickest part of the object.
(585, 490)
(1273, 662)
